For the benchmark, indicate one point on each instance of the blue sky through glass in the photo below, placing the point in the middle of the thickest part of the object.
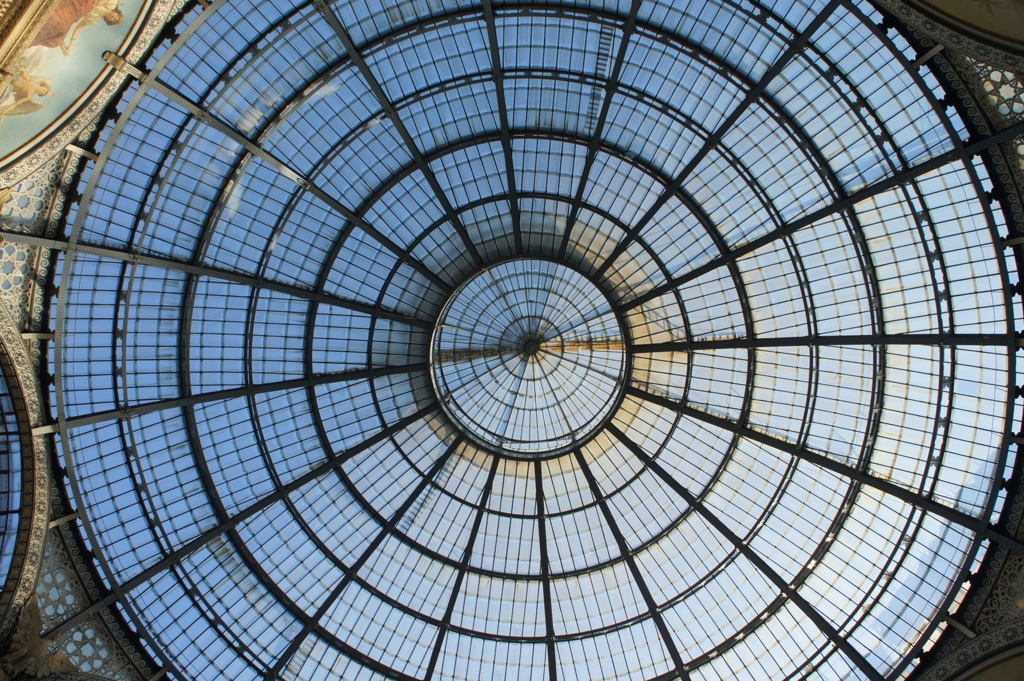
(253, 397)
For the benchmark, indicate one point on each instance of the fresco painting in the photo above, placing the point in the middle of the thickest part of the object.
(62, 67)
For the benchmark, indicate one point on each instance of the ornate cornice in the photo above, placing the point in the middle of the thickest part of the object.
(22, 308)
(943, 34)
(975, 651)
(19, 371)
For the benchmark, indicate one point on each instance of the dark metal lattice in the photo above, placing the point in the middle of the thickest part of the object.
(632, 340)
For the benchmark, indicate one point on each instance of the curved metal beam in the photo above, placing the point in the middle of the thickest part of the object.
(681, 669)
(794, 48)
(760, 563)
(900, 178)
(130, 411)
(904, 494)
(367, 553)
(389, 109)
(169, 560)
(208, 271)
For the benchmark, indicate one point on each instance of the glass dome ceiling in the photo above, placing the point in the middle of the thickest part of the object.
(520, 341)
(528, 358)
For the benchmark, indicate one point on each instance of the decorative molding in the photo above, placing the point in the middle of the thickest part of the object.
(21, 378)
(942, 34)
(31, 206)
(1003, 606)
(999, 91)
(34, 206)
(976, 650)
(97, 646)
(995, 22)
(76, 677)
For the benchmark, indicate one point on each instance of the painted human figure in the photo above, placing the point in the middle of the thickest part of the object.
(71, 16)
(23, 88)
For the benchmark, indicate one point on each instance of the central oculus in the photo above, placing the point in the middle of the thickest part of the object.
(528, 358)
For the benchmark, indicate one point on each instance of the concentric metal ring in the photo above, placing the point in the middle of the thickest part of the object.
(317, 483)
(528, 358)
